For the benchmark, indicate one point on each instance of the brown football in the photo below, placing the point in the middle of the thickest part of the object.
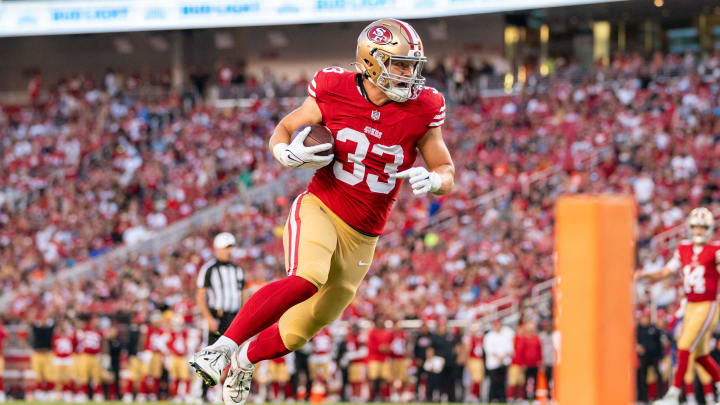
(319, 134)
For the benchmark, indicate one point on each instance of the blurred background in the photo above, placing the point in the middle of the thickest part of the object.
(133, 132)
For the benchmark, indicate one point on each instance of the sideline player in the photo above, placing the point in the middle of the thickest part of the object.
(698, 260)
(380, 119)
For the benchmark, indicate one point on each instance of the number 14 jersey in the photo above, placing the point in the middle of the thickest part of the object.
(699, 265)
(371, 142)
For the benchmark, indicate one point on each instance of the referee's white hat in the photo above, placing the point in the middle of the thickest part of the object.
(223, 240)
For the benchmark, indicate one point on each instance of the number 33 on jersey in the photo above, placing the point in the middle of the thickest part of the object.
(371, 142)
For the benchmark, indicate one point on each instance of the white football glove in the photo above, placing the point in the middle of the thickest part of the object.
(421, 180)
(298, 155)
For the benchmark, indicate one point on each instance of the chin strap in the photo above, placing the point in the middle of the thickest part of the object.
(359, 82)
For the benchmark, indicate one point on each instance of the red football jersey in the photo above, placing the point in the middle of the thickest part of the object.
(322, 342)
(64, 344)
(371, 142)
(519, 349)
(3, 335)
(178, 343)
(355, 343)
(699, 270)
(379, 342)
(398, 345)
(90, 341)
(156, 339)
(476, 347)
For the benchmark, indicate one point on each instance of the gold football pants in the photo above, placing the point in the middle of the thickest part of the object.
(321, 248)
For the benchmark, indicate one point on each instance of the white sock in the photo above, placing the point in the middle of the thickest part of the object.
(226, 343)
(673, 391)
(242, 356)
(709, 399)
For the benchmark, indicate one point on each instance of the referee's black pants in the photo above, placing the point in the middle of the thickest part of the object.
(224, 319)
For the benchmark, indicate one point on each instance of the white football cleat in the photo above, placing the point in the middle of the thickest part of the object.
(668, 399)
(236, 388)
(210, 363)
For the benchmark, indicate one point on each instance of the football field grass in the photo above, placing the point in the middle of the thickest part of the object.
(278, 403)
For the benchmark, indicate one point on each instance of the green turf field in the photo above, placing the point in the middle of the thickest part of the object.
(168, 403)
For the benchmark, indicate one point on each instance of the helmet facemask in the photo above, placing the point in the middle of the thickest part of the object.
(702, 238)
(398, 87)
(701, 218)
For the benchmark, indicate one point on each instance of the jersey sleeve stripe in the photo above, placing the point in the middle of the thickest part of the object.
(437, 117)
(311, 91)
(294, 225)
(442, 109)
(436, 123)
(313, 84)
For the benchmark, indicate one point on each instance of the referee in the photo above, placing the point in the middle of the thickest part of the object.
(220, 285)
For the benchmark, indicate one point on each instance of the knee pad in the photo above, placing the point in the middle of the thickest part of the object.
(293, 342)
(340, 296)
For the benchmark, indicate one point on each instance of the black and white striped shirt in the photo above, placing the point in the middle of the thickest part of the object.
(225, 282)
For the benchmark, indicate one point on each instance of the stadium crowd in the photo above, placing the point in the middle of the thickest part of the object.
(91, 167)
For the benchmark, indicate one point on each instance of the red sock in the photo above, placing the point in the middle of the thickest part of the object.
(71, 387)
(709, 364)
(682, 365)
(689, 388)
(267, 305)
(275, 389)
(1, 384)
(652, 390)
(85, 389)
(288, 391)
(187, 387)
(155, 386)
(143, 385)
(112, 390)
(98, 389)
(511, 392)
(385, 390)
(268, 345)
(708, 389)
(128, 387)
(476, 390)
(174, 388)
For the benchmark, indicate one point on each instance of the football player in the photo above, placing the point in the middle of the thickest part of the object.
(697, 260)
(43, 328)
(3, 336)
(354, 359)
(279, 378)
(88, 365)
(177, 366)
(476, 363)
(380, 119)
(157, 336)
(399, 361)
(379, 339)
(64, 344)
(319, 361)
